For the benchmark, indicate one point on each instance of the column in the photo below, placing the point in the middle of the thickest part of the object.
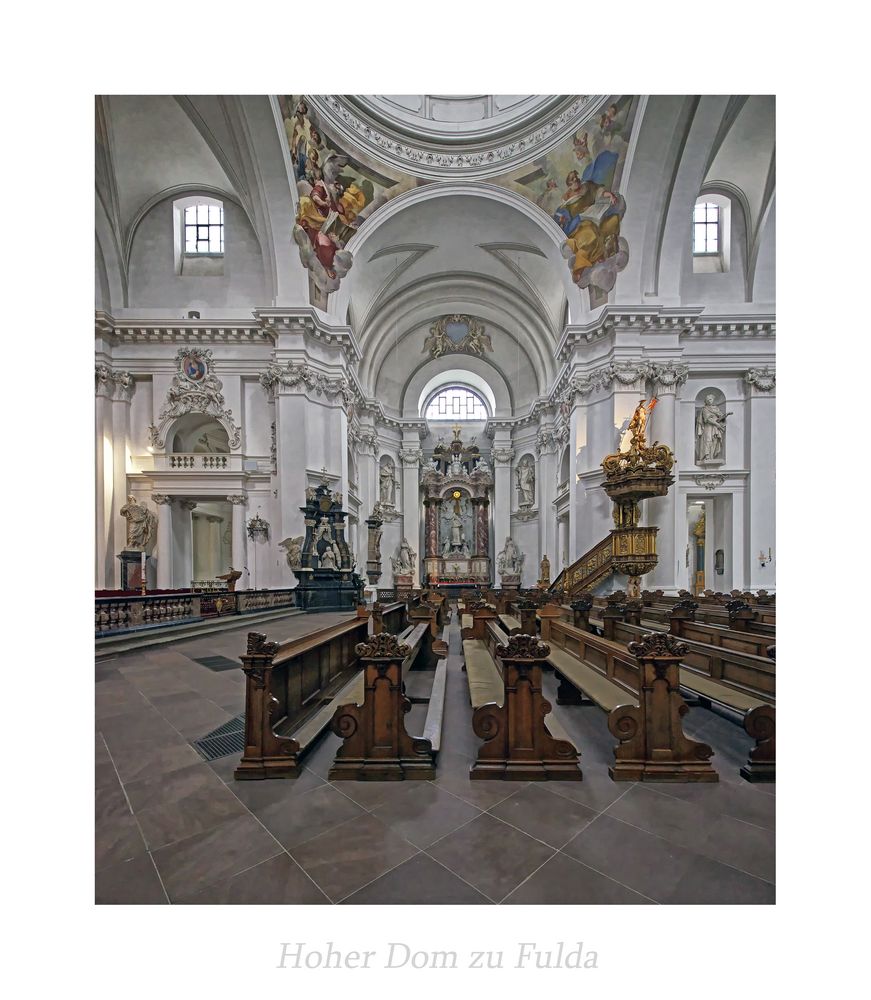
(104, 577)
(120, 431)
(214, 536)
(562, 555)
(238, 556)
(182, 537)
(164, 540)
(662, 511)
(740, 570)
(502, 454)
(545, 489)
(760, 535)
(410, 455)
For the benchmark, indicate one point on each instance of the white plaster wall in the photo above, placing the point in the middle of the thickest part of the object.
(154, 283)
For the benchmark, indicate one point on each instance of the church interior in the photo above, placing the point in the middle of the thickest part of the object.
(435, 555)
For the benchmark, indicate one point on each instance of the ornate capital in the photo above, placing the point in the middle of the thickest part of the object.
(238, 498)
(161, 499)
(670, 375)
(411, 457)
(502, 456)
(188, 504)
(762, 379)
(304, 378)
(109, 384)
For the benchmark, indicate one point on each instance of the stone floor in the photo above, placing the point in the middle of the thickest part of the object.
(171, 828)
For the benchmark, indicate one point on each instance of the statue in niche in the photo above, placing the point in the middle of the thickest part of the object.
(456, 541)
(324, 531)
(710, 431)
(387, 484)
(509, 562)
(403, 563)
(327, 559)
(141, 523)
(526, 482)
(545, 571)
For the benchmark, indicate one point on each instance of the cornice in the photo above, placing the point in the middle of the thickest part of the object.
(169, 331)
(307, 320)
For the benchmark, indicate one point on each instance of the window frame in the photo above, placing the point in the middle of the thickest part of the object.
(707, 205)
(208, 226)
(465, 418)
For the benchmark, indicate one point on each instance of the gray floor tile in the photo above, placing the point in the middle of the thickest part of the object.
(207, 858)
(563, 880)
(351, 855)
(279, 880)
(425, 813)
(546, 817)
(294, 819)
(134, 881)
(491, 856)
(418, 881)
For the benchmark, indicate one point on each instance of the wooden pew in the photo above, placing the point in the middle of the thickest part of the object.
(291, 691)
(376, 745)
(522, 742)
(389, 617)
(682, 623)
(639, 689)
(739, 683)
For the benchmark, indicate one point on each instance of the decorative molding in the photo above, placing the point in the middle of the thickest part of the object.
(194, 393)
(546, 441)
(671, 375)
(710, 482)
(161, 499)
(411, 457)
(658, 645)
(111, 384)
(382, 646)
(440, 159)
(525, 514)
(306, 321)
(296, 375)
(523, 647)
(170, 331)
(475, 342)
(188, 504)
(762, 379)
(502, 456)
(238, 498)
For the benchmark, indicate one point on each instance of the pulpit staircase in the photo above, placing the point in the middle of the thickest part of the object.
(586, 572)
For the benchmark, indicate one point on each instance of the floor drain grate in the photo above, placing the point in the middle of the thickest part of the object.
(227, 739)
(217, 662)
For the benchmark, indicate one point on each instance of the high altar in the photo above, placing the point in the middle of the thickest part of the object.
(456, 497)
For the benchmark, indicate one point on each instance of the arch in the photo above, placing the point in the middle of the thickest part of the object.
(190, 430)
(456, 376)
(477, 372)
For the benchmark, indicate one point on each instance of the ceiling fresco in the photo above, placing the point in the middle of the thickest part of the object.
(568, 163)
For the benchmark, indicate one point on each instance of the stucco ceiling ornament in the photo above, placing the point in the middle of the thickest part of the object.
(761, 378)
(194, 389)
(457, 334)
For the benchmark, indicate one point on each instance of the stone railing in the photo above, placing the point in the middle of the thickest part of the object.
(198, 462)
(125, 613)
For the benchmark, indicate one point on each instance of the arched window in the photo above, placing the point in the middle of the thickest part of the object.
(457, 403)
(711, 233)
(706, 228)
(204, 228)
(198, 235)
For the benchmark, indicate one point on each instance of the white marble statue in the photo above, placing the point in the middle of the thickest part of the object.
(526, 483)
(710, 431)
(403, 562)
(509, 562)
(387, 484)
(141, 523)
(327, 559)
(293, 550)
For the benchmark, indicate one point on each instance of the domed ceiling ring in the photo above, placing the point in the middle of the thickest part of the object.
(453, 147)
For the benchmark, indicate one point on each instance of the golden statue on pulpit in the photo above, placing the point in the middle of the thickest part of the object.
(638, 424)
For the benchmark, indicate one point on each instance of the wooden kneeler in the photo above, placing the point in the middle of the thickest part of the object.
(652, 745)
(517, 745)
(376, 745)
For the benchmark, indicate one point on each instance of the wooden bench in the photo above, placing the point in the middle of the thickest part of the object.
(742, 684)
(376, 745)
(290, 694)
(391, 617)
(638, 688)
(523, 741)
